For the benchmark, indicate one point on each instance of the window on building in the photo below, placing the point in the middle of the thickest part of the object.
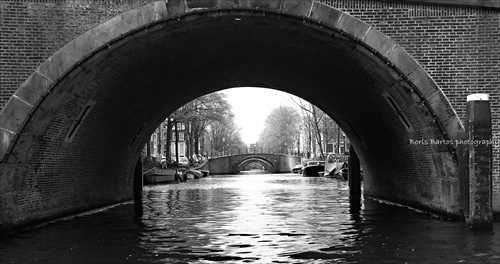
(329, 148)
(182, 149)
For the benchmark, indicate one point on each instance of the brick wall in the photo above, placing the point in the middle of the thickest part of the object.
(32, 31)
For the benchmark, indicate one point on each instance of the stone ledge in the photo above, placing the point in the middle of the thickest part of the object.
(402, 60)
(57, 65)
(328, 15)
(14, 114)
(298, 7)
(353, 26)
(33, 88)
(427, 86)
(6, 137)
(378, 41)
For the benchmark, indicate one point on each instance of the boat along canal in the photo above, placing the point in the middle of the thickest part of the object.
(252, 218)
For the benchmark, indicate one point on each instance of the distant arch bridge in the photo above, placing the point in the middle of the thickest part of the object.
(231, 164)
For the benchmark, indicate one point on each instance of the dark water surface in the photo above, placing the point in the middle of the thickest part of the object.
(261, 218)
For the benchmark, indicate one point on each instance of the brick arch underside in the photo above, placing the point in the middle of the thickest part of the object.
(139, 67)
(266, 163)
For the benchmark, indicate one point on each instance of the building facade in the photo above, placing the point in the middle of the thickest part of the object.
(158, 142)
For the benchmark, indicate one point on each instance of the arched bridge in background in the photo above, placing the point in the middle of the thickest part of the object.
(82, 96)
(232, 164)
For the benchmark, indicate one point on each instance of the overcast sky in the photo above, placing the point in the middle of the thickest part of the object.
(251, 107)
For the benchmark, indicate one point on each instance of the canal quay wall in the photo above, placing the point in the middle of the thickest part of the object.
(456, 44)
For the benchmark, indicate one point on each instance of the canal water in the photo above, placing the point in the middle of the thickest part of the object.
(252, 218)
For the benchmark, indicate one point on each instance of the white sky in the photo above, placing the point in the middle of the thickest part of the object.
(251, 106)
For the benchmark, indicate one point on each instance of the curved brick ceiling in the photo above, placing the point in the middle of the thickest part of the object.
(110, 88)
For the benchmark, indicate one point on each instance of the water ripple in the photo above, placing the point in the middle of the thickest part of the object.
(269, 218)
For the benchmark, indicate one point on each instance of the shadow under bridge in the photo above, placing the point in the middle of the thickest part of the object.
(275, 163)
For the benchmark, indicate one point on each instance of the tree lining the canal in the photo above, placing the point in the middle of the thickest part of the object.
(302, 129)
(206, 126)
(322, 129)
(280, 129)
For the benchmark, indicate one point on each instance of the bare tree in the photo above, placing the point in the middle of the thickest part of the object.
(329, 130)
(224, 136)
(197, 115)
(280, 130)
(317, 124)
(312, 117)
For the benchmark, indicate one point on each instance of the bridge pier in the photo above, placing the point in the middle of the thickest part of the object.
(138, 182)
(478, 128)
(354, 176)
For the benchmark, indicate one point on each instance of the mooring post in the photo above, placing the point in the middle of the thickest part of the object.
(354, 175)
(478, 127)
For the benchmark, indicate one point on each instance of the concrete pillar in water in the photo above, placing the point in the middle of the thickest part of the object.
(478, 128)
(354, 175)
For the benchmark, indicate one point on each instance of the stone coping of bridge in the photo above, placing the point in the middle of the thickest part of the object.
(23, 104)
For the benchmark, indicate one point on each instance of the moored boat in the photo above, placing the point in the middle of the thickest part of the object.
(336, 166)
(297, 169)
(161, 175)
(336, 170)
(193, 174)
(313, 169)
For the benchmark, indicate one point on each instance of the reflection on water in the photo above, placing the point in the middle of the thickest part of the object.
(253, 218)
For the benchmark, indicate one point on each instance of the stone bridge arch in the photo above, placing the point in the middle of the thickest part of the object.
(276, 163)
(72, 133)
(268, 165)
